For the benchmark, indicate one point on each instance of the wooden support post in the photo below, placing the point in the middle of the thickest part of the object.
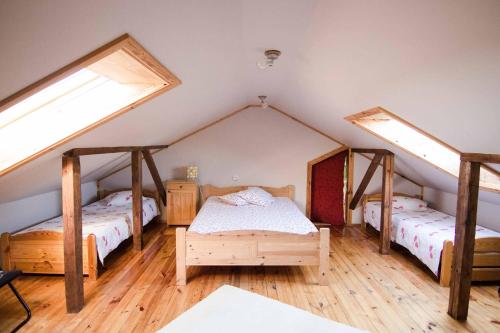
(72, 219)
(366, 180)
(465, 230)
(386, 209)
(148, 157)
(137, 199)
(350, 175)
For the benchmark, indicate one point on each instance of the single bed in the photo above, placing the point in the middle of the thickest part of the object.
(429, 235)
(39, 248)
(277, 235)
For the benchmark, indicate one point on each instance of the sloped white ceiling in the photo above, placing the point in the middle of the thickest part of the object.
(434, 63)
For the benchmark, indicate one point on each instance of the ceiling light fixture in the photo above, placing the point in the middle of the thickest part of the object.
(271, 56)
(263, 103)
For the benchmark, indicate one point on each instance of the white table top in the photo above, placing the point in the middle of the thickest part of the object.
(230, 309)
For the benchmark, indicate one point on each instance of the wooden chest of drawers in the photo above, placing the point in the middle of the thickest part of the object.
(182, 198)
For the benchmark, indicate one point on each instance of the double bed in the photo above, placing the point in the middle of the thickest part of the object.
(105, 225)
(274, 235)
(429, 235)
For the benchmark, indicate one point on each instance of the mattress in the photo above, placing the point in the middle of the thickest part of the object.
(110, 224)
(372, 216)
(422, 232)
(282, 215)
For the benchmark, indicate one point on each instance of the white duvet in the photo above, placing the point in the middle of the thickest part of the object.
(422, 232)
(110, 224)
(281, 215)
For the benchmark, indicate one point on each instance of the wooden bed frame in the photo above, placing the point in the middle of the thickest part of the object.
(486, 263)
(251, 248)
(42, 252)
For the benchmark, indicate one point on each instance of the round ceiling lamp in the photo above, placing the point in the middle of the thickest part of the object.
(271, 56)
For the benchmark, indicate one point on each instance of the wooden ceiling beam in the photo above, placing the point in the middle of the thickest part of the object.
(148, 157)
(366, 180)
(110, 150)
(372, 151)
(482, 158)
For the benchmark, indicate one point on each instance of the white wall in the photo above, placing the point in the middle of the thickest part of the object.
(19, 214)
(488, 214)
(375, 186)
(258, 146)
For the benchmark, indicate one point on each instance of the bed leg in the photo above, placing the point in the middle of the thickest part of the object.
(5, 252)
(92, 257)
(324, 256)
(363, 222)
(180, 250)
(446, 260)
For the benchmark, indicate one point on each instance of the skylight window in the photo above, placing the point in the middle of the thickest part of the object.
(83, 95)
(415, 141)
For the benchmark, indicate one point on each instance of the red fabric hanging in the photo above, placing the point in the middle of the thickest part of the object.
(327, 190)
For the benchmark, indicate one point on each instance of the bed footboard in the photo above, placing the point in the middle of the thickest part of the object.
(485, 266)
(252, 248)
(43, 252)
(446, 263)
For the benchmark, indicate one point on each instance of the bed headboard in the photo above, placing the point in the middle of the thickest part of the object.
(378, 197)
(210, 190)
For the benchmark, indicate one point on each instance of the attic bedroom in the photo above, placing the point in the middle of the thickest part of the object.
(250, 166)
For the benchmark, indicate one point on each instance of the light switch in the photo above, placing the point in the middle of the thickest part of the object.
(236, 178)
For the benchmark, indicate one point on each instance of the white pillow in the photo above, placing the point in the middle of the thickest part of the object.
(233, 199)
(406, 203)
(256, 196)
(119, 198)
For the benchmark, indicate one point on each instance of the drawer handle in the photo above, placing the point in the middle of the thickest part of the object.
(180, 186)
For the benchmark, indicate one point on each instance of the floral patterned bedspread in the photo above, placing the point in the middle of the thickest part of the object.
(110, 224)
(421, 232)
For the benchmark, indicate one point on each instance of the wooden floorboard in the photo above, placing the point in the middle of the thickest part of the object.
(137, 292)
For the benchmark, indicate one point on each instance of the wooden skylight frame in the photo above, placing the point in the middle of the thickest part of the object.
(122, 61)
(361, 119)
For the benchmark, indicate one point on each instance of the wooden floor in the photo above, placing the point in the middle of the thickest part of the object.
(138, 293)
